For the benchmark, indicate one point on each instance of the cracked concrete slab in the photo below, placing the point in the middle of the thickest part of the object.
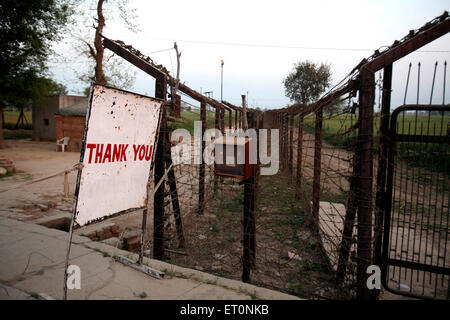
(9, 293)
(33, 261)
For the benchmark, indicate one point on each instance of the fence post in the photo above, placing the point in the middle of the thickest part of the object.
(158, 201)
(365, 138)
(317, 166)
(283, 140)
(291, 142)
(254, 125)
(249, 221)
(299, 155)
(216, 126)
(347, 233)
(174, 195)
(246, 259)
(201, 178)
(382, 166)
(286, 141)
(222, 120)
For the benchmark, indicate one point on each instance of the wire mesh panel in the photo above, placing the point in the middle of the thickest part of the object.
(336, 196)
(416, 244)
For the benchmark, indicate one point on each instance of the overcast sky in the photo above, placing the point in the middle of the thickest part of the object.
(260, 41)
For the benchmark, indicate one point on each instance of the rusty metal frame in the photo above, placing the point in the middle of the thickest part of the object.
(162, 80)
(360, 201)
(394, 138)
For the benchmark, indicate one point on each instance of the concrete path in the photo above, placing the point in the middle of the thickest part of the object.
(32, 260)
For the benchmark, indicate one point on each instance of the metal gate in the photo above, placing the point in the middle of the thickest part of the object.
(416, 248)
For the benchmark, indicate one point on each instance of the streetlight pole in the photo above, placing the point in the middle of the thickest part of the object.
(221, 81)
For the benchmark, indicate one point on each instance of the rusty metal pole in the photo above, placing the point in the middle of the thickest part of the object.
(347, 233)
(382, 166)
(245, 113)
(222, 120)
(235, 119)
(246, 255)
(254, 125)
(299, 156)
(285, 140)
(365, 137)
(216, 126)
(317, 167)
(201, 179)
(158, 201)
(174, 195)
(291, 142)
(230, 119)
(239, 119)
(248, 220)
(249, 225)
(282, 125)
(282, 139)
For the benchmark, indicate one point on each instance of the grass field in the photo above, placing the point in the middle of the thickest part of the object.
(10, 124)
(188, 118)
(406, 124)
(430, 155)
(11, 119)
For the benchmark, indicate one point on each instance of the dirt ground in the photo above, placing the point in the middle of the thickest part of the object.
(419, 228)
(35, 160)
(304, 275)
(288, 256)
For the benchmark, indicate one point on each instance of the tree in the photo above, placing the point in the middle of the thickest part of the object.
(307, 81)
(28, 28)
(104, 68)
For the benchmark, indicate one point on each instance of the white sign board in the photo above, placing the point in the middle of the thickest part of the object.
(118, 148)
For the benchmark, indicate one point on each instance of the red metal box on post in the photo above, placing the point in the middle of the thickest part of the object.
(234, 164)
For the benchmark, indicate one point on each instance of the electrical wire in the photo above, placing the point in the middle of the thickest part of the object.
(274, 46)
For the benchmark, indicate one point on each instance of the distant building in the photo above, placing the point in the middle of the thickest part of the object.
(70, 123)
(44, 125)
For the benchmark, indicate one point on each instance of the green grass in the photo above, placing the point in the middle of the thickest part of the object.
(104, 253)
(34, 295)
(12, 135)
(336, 126)
(428, 155)
(211, 282)
(254, 296)
(8, 173)
(10, 124)
(188, 118)
(11, 119)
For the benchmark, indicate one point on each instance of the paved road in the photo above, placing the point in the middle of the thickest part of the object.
(32, 260)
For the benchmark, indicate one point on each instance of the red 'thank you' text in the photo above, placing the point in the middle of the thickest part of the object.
(101, 153)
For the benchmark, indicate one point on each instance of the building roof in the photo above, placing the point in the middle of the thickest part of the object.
(76, 109)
